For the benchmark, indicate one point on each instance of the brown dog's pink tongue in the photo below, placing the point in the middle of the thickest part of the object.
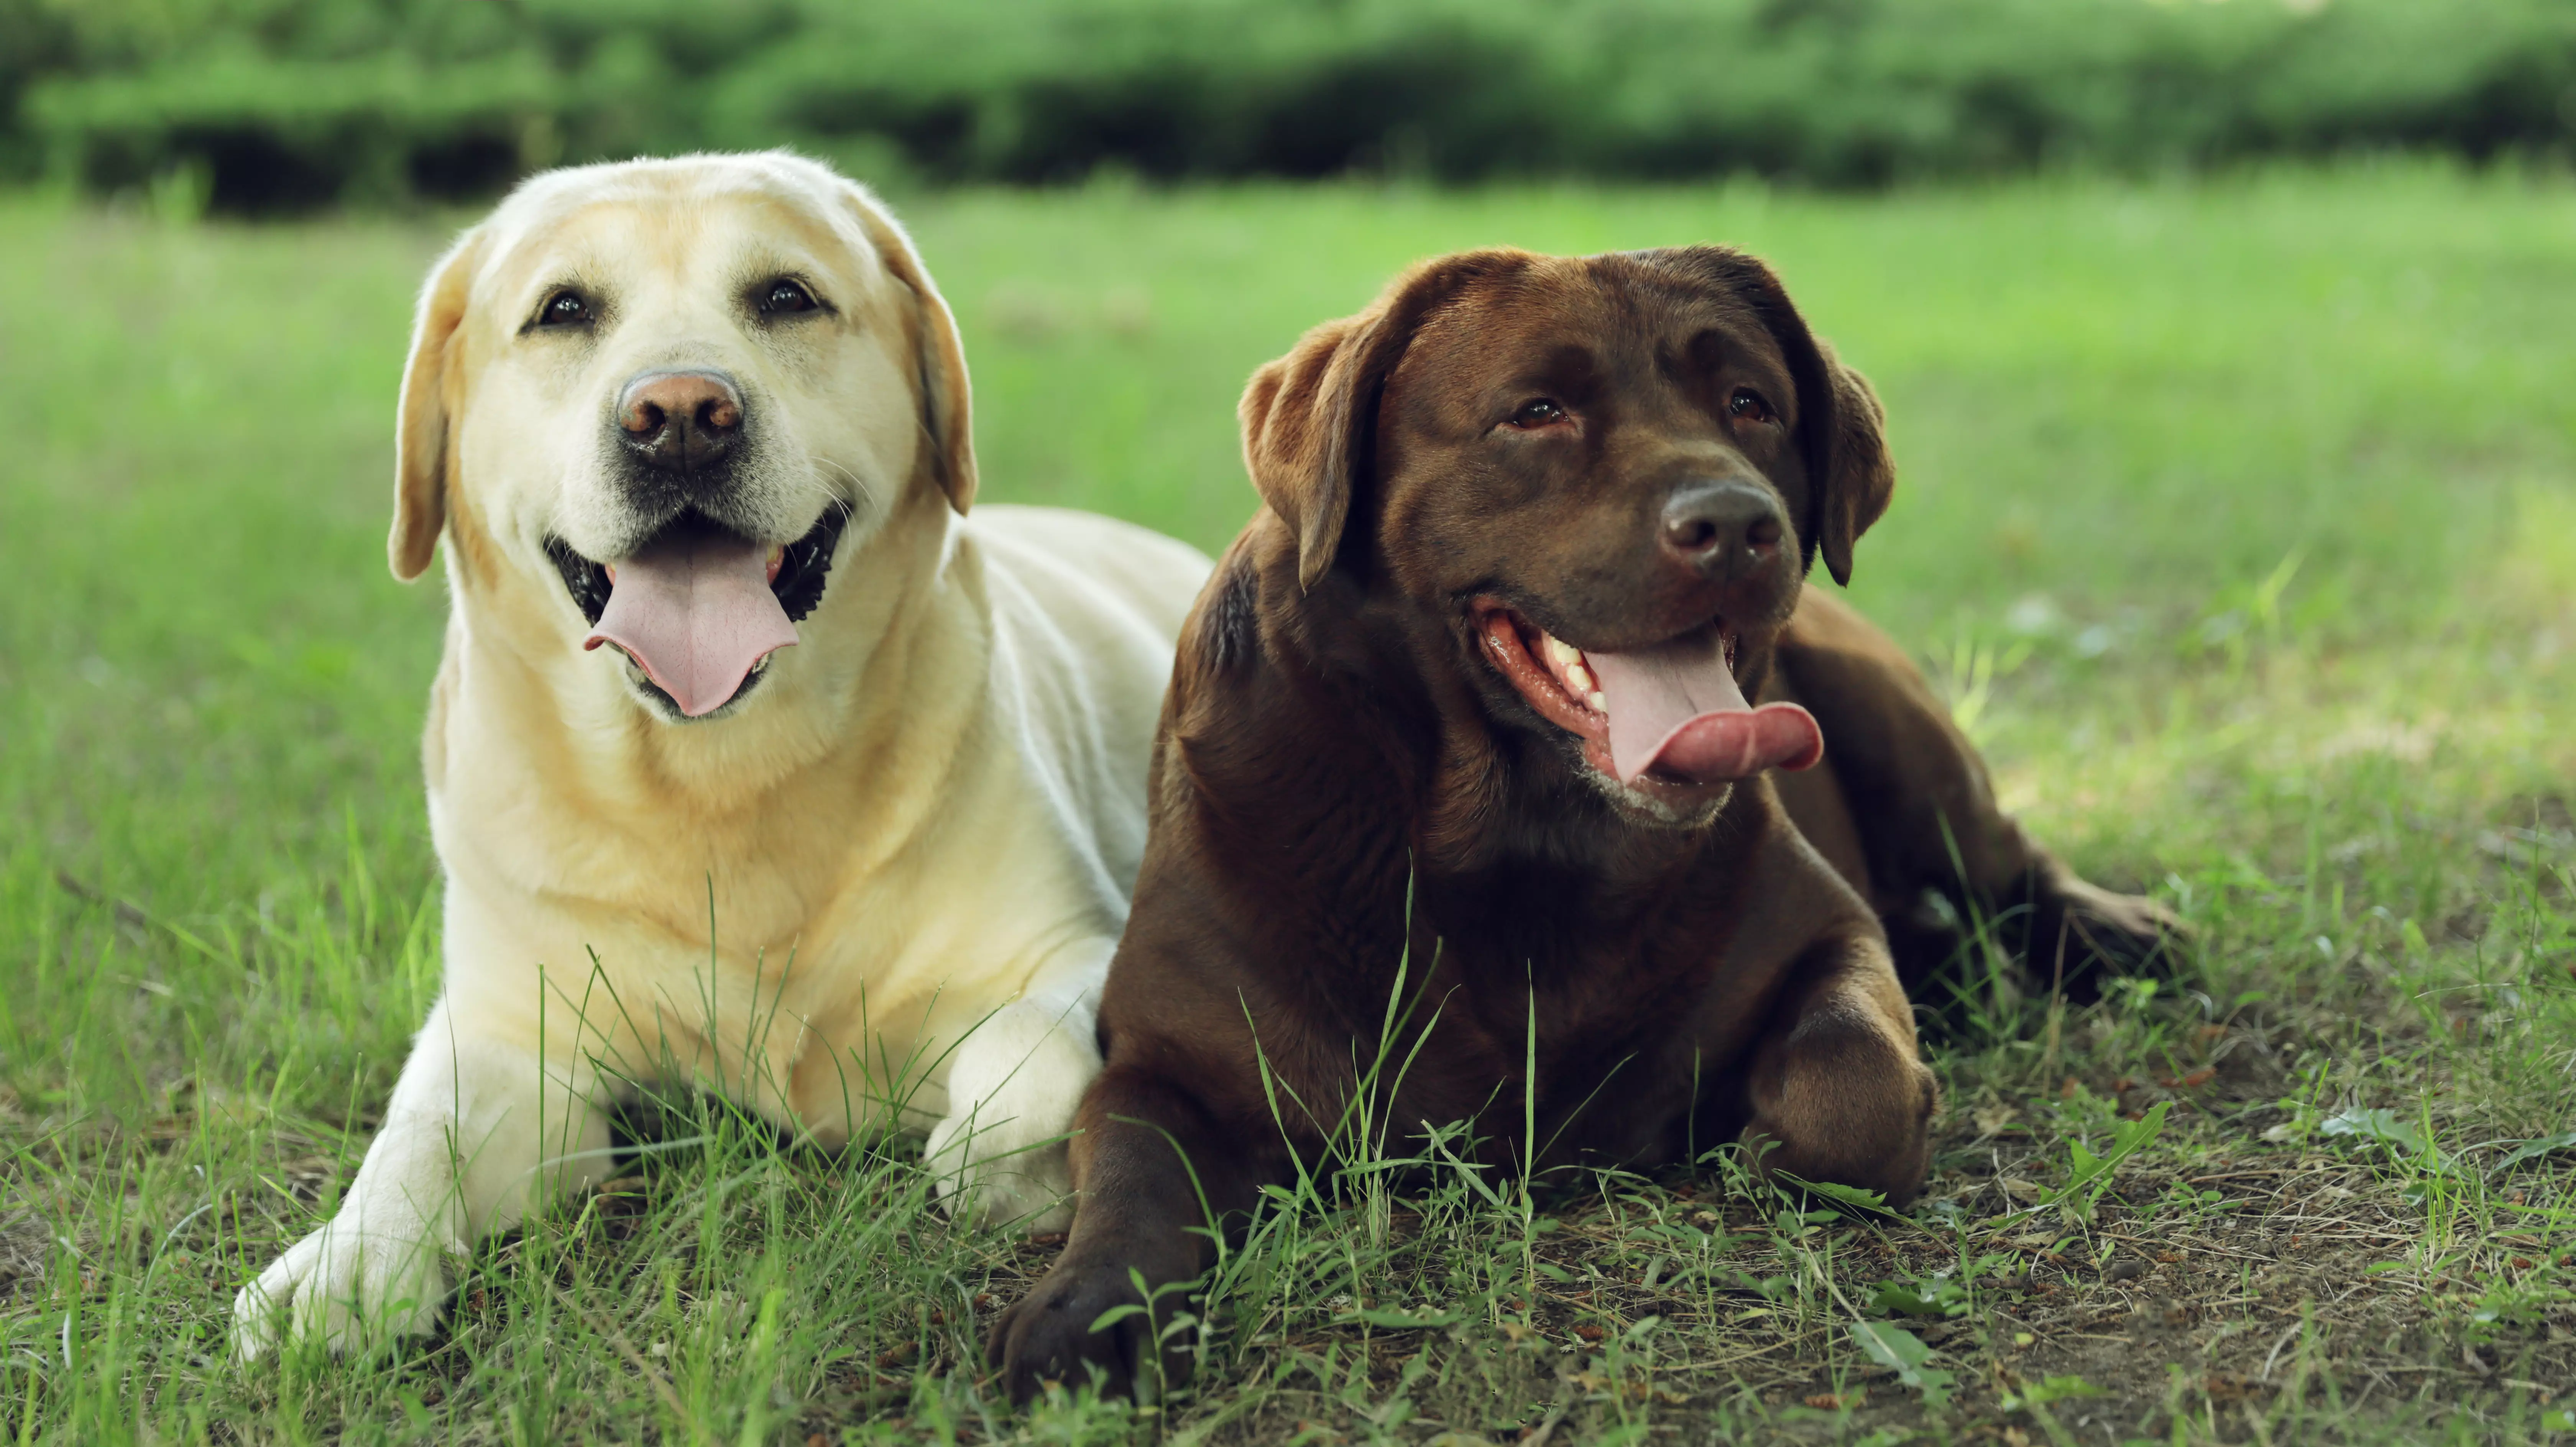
(695, 613)
(1677, 704)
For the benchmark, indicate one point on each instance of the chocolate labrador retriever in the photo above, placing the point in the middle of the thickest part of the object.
(1466, 715)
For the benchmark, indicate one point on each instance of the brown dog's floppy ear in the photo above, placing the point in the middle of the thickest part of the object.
(947, 413)
(1850, 477)
(1859, 478)
(1296, 442)
(1310, 418)
(421, 424)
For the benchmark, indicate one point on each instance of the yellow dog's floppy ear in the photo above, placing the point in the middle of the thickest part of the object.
(946, 399)
(1850, 477)
(421, 426)
(1310, 418)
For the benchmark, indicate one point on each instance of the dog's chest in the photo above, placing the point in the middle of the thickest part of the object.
(736, 929)
(1624, 1023)
(1594, 1083)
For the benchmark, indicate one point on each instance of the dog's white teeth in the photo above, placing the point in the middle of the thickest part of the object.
(1578, 679)
(611, 570)
(777, 555)
(1596, 702)
(1560, 652)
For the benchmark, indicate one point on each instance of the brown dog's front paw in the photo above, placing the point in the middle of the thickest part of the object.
(1886, 1148)
(1843, 1101)
(1047, 1337)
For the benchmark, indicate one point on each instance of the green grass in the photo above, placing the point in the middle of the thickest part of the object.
(2239, 518)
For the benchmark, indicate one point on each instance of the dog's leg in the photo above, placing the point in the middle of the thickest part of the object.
(1924, 809)
(479, 1129)
(1837, 1090)
(1013, 1086)
(1157, 1178)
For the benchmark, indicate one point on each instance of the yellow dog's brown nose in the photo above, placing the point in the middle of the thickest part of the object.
(680, 421)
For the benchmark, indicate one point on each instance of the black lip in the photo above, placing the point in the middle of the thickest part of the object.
(585, 580)
(802, 572)
(806, 568)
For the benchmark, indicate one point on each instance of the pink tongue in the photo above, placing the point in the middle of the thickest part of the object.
(1677, 704)
(695, 613)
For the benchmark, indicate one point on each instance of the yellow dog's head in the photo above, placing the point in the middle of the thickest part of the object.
(665, 397)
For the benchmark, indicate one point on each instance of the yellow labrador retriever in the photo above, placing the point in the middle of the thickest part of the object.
(753, 760)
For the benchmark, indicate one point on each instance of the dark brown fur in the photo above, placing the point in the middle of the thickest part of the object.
(1904, 810)
(1346, 784)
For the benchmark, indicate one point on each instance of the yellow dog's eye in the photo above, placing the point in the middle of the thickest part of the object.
(564, 309)
(784, 295)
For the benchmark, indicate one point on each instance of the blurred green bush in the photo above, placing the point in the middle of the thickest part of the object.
(274, 104)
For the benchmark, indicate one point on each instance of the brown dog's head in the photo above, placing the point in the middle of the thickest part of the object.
(1606, 476)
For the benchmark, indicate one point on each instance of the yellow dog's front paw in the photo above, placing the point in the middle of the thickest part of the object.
(348, 1288)
(998, 1158)
(1002, 1173)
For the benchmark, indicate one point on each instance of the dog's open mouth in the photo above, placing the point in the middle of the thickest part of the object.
(698, 608)
(1668, 714)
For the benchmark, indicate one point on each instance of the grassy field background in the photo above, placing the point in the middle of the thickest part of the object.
(2238, 517)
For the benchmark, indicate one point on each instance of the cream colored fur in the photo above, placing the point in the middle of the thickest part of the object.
(915, 838)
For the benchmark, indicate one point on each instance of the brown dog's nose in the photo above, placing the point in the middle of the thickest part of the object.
(680, 421)
(1721, 528)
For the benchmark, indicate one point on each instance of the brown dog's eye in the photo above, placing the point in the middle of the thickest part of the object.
(783, 295)
(1538, 412)
(1748, 405)
(564, 309)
